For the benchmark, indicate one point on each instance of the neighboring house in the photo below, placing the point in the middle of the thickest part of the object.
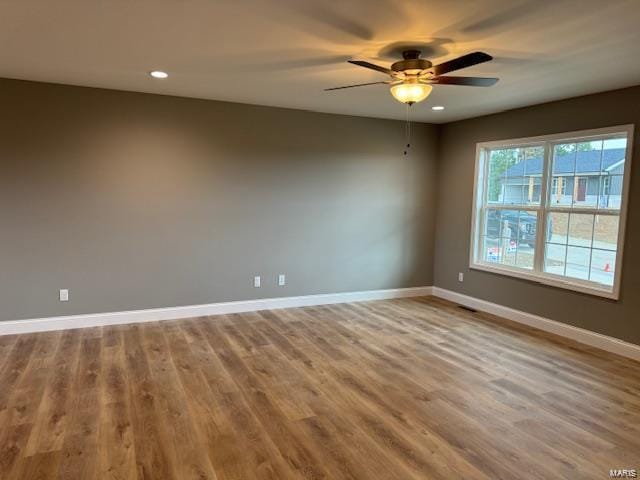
(591, 178)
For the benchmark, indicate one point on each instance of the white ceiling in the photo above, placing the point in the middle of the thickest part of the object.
(284, 52)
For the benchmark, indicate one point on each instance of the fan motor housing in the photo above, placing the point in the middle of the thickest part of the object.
(411, 62)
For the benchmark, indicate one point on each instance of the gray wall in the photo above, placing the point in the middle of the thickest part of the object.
(136, 201)
(619, 319)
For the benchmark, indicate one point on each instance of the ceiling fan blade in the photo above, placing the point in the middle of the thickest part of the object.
(467, 81)
(357, 85)
(461, 62)
(372, 66)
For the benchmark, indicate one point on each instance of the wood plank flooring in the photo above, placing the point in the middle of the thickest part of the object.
(399, 389)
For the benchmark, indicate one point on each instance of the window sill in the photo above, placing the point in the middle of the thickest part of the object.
(576, 286)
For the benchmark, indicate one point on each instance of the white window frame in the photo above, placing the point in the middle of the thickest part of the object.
(538, 275)
(606, 186)
(554, 185)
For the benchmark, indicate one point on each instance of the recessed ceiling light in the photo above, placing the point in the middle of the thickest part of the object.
(158, 74)
(437, 107)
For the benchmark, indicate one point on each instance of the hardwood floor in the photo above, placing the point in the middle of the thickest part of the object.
(399, 389)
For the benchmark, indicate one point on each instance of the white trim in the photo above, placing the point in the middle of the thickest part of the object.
(587, 337)
(615, 165)
(538, 274)
(171, 313)
(581, 335)
(550, 279)
(579, 135)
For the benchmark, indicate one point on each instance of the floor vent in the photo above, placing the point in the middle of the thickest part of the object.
(468, 309)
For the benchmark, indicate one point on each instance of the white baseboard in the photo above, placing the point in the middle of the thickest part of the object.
(171, 313)
(587, 337)
(581, 335)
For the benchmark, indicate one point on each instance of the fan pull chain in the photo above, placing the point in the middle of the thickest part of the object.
(407, 130)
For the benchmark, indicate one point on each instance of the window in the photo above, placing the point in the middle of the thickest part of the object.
(606, 184)
(558, 188)
(551, 209)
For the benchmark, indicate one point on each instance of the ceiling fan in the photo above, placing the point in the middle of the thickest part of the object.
(412, 77)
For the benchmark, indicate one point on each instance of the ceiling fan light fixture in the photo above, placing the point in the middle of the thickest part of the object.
(412, 78)
(411, 91)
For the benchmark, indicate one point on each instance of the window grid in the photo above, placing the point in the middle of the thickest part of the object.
(575, 208)
(545, 207)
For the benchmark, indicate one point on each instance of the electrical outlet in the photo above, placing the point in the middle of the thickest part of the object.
(281, 280)
(460, 277)
(256, 281)
(64, 295)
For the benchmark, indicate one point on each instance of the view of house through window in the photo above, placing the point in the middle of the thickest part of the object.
(550, 208)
